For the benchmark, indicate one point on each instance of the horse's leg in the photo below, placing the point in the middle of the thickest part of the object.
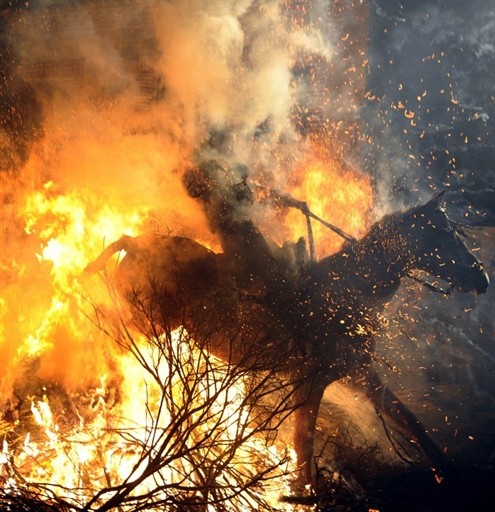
(389, 405)
(304, 434)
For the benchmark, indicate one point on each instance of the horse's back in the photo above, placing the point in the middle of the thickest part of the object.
(160, 276)
(171, 281)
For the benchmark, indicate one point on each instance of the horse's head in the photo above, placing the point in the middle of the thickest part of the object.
(438, 247)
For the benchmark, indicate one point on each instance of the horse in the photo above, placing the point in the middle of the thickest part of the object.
(319, 324)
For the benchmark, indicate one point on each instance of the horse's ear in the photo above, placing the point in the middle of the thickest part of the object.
(436, 201)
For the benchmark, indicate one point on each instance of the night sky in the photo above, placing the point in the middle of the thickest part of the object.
(432, 116)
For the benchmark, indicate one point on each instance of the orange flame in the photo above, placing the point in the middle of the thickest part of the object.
(46, 331)
(68, 349)
(337, 194)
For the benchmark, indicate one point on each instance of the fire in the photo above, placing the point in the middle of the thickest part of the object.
(125, 403)
(107, 414)
(67, 227)
(335, 193)
(127, 406)
(107, 446)
(117, 408)
(103, 410)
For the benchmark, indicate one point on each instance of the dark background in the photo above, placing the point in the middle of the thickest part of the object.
(437, 60)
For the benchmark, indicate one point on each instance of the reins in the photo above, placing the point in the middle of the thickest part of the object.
(302, 206)
(431, 286)
(310, 215)
(349, 238)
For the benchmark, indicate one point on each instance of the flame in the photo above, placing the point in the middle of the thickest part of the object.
(67, 228)
(104, 447)
(59, 344)
(86, 184)
(63, 230)
(335, 193)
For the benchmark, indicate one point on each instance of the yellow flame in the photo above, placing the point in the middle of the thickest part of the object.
(339, 195)
(94, 454)
(66, 229)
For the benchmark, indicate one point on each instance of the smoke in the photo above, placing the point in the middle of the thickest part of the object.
(229, 73)
(212, 76)
(104, 104)
(175, 75)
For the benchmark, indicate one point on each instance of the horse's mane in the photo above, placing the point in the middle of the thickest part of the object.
(384, 230)
(398, 223)
(385, 240)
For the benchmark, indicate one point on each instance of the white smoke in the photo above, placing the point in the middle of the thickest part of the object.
(130, 91)
(228, 66)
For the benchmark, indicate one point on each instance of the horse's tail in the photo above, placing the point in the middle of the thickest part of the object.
(123, 243)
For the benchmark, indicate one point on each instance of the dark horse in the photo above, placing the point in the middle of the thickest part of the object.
(318, 323)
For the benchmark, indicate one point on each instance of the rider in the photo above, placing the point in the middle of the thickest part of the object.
(227, 202)
(267, 275)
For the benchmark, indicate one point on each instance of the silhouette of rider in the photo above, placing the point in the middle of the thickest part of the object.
(227, 202)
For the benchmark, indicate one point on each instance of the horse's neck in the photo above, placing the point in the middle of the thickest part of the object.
(375, 263)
